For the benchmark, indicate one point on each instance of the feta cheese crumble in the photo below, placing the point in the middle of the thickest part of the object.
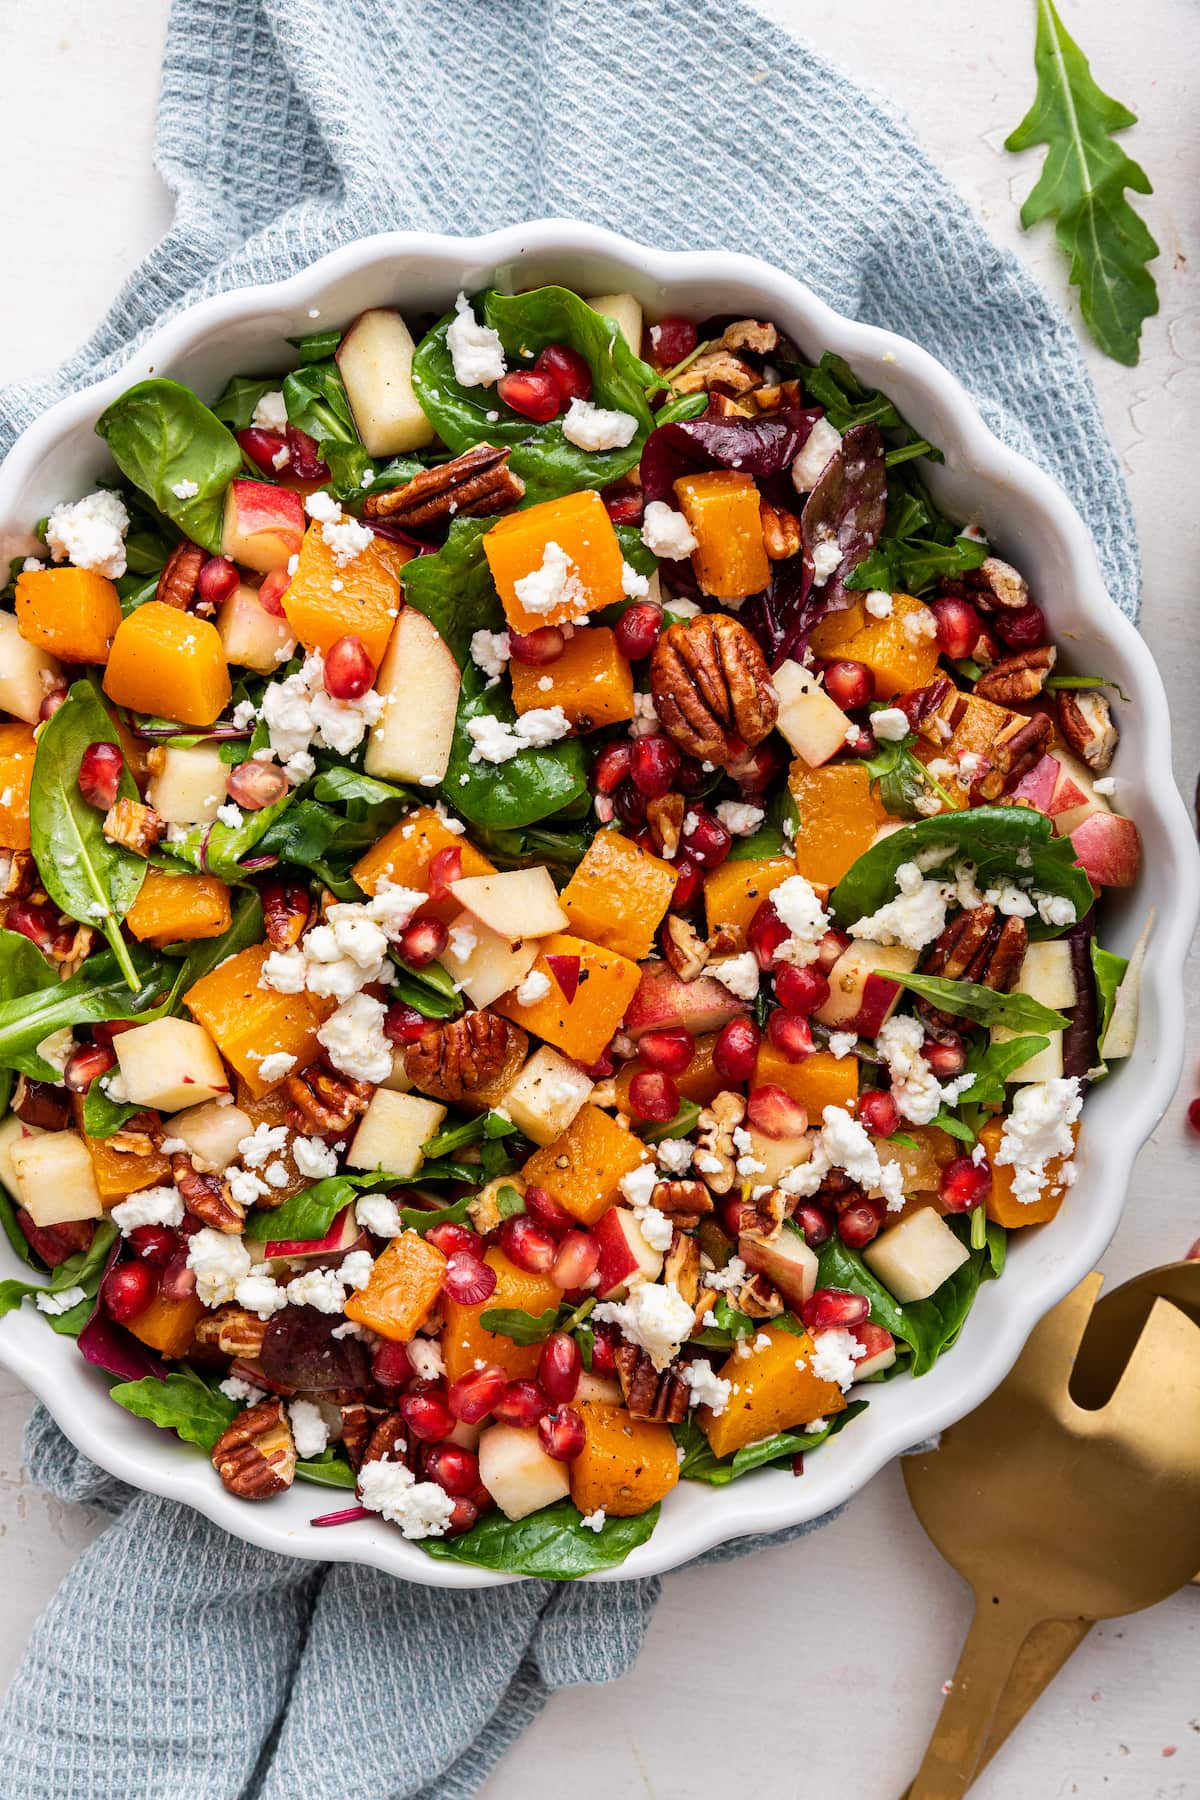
(270, 414)
(739, 817)
(914, 919)
(878, 604)
(797, 905)
(309, 1430)
(834, 1355)
(379, 1215)
(90, 533)
(220, 1261)
(152, 1206)
(595, 1521)
(298, 712)
(346, 537)
(821, 443)
(591, 427)
(655, 1317)
(554, 583)
(1037, 1130)
(275, 1066)
(666, 532)
(496, 741)
(490, 651)
(740, 974)
(890, 725)
(419, 1508)
(185, 490)
(355, 1041)
(475, 349)
(708, 1389)
(55, 1304)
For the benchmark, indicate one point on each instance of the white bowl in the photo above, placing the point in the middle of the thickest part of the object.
(1029, 519)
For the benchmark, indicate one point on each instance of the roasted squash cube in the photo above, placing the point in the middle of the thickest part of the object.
(175, 908)
(248, 1022)
(722, 508)
(170, 663)
(901, 651)
(73, 614)
(838, 816)
(626, 1464)
(403, 1289)
(120, 1172)
(464, 1340)
(618, 895)
(583, 1168)
(772, 1389)
(582, 1026)
(591, 681)
(326, 600)
(168, 1326)
(403, 855)
(17, 750)
(1002, 1205)
(818, 1081)
(734, 892)
(571, 545)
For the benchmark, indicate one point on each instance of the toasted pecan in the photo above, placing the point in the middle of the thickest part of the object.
(256, 1456)
(712, 688)
(476, 483)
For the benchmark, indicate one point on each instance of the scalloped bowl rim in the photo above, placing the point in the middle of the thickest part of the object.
(983, 479)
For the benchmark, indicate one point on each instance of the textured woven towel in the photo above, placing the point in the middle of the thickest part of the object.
(176, 1662)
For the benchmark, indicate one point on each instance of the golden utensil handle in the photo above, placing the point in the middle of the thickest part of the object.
(969, 1709)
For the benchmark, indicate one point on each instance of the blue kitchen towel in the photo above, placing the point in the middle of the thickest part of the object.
(177, 1663)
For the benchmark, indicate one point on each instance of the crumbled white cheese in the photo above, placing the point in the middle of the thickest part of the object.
(638, 1185)
(919, 626)
(354, 1039)
(535, 987)
(346, 536)
(475, 349)
(309, 1430)
(554, 583)
(271, 413)
(914, 920)
(61, 1302)
(1104, 786)
(723, 1281)
(822, 442)
(219, 1261)
(915, 1088)
(264, 1142)
(426, 1358)
(490, 650)
(326, 1288)
(675, 1155)
(826, 555)
(645, 719)
(878, 604)
(283, 971)
(708, 1389)
(463, 939)
(595, 1521)
(834, 1355)
(655, 1317)
(495, 741)
(633, 585)
(842, 1043)
(890, 725)
(313, 1158)
(420, 1508)
(261, 1294)
(798, 907)
(275, 1066)
(591, 427)
(234, 1388)
(1038, 1129)
(656, 1227)
(1011, 900)
(57, 1049)
(739, 817)
(740, 974)
(230, 815)
(298, 712)
(90, 533)
(379, 1215)
(666, 532)
(152, 1206)
(185, 490)
(1055, 909)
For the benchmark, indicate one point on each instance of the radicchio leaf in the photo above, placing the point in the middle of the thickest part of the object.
(1081, 1048)
(757, 447)
(299, 1351)
(108, 1346)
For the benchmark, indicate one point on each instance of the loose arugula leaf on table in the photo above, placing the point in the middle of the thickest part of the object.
(82, 1270)
(310, 1213)
(327, 1470)
(87, 876)
(982, 1005)
(553, 1544)
(532, 785)
(241, 394)
(97, 992)
(182, 1403)
(454, 588)
(163, 437)
(1082, 186)
(700, 1464)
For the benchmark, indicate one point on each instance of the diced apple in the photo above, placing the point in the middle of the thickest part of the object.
(392, 1130)
(813, 724)
(1074, 798)
(13, 1131)
(626, 312)
(375, 361)
(263, 527)
(27, 674)
(188, 786)
(913, 1258)
(1109, 849)
(484, 963)
(54, 1177)
(252, 637)
(1036, 788)
(419, 681)
(786, 1261)
(1046, 974)
(398, 1081)
(212, 1134)
(546, 1095)
(343, 1236)
(518, 1474)
(604, 1388)
(518, 903)
(626, 1259)
(777, 1155)
(663, 1001)
(880, 1347)
(170, 1064)
(859, 999)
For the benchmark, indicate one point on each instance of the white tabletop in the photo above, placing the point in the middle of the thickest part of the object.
(828, 1658)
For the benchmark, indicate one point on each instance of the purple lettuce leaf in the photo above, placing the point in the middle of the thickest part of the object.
(758, 447)
(113, 1349)
(300, 1351)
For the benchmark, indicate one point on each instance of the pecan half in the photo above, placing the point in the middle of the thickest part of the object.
(977, 945)
(207, 1197)
(681, 1267)
(286, 909)
(1085, 720)
(18, 874)
(477, 482)
(134, 1139)
(758, 336)
(134, 826)
(649, 1394)
(997, 584)
(664, 817)
(780, 529)
(724, 406)
(181, 575)
(1018, 677)
(711, 686)
(484, 1210)
(1012, 753)
(472, 1058)
(715, 1160)
(233, 1330)
(256, 1457)
(321, 1103)
(358, 1425)
(718, 370)
(683, 947)
(778, 397)
(389, 1442)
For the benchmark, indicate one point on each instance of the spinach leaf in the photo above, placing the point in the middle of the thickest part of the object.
(88, 877)
(1016, 1012)
(682, 406)
(241, 394)
(245, 929)
(992, 1064)
(301, 834)
(425, 991)
(341, 787)
(310, 1213)
(553, 1544)
(700, 1464)
(1107, 968)
(316, 401)
(316, 346)
(771, 838)
(561, 851)
(218, 849)
(8, 1224)
(531, 786)
(724, 1326)
(327, 1470)
(454, 588)
(682, 1125)
(1001, 841)
(102, 1116)
(182, 1403)
(522, 1327)
(82, 1270)
(163, 437)
(486, 1125)
(930, 1326)
(97, 992)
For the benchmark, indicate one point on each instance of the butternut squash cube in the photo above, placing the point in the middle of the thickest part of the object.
(403, 855)
(734, 892)
(118, 1172)
(1002, 1205)
(772, 1389)
(839, 815)
(464, 1340)
(619, 895)
(249, 1023)
(170, 663)
(403, 1289)
(591, 681)
(583, 1168)
(976, 725)
(900, 651)
(73, 614)
(921, 1162)
(16, 776)
(582, 1026)
(626, 1464)
(570, 545)
(174, 908)
(365, 602)
(722, 508)
(168, 1326)
(820, 1080)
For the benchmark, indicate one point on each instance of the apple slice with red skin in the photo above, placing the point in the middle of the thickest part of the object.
(343, 1235)
(786, 1261)
(880, 1347)
(565, 970)
(663, 1002)
(625, 1257)
(1109, 849)
(859, 999)
(1036, 788)
(263, 527)
(1075, 798)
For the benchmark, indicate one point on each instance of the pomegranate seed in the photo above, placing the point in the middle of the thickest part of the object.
(445, 866)
(560, 1366)
(427, 1416)
(790, 1034)
(654, 764)
(1022, 628)
(531, 393)
(421, 941)
(965, 1184)
(404, 1024)
(522, 1403)
(601, 1069)
(305, 461)
(566, 972)
(271, 590)
(611, 767)
(38, 923)
(861, 743)
(814, 1222)
(830, 949)
(128, 1290)
(569, 372)
(105, 1030)
(670, 1051)
(451, 1239)
(546, 1210)
(50, 705)
(800, 990)
(849, 684)
(772, 1111)
(84, 1064)
(946, 1057)
(1193, 1114)
(798, 1463)
(691, 778)
(859, 1223)
(958, 627)
(878, 1113)
(253, 785)
(534, 648)
(153, 1244)
(349, 671)
(528, 1244)
(217, 580)
(638, 630)
(578, 1257)
(262, 447)
(561, 1434)
(688, 877)
(391, 1365)
(604, 1349)
(455, 1470)
(623, 504)
(671, 340)
(708, 841)
(463, 1514)
(829, 1308)
(736, 1049)
(100, 771)
(468, 1280)
(474, 1394)
(653, 1097)
(178, 1280)
(756, 772)
(630, 804)
(765, 933)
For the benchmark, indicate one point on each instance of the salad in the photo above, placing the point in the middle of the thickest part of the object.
(549, 917)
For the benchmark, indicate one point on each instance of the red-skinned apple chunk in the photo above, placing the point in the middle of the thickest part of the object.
(859, 999)
(419, 681)
(625, 1256)
(786, 1261)
(1109, 849)
(663, 1001)
(264, 525)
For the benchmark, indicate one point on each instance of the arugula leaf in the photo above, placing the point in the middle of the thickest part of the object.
(553, 1544)
(310, 1213)
(700, 1464)
(97, 992)
(328, 1470)
(901, 779)
(531, 786)
(911, 565)
(1056, 682)
(1082, 186)
(163, 437)
(521, 1326)
(182, 1403)
(970, 1000)
(83, 1270)
(316, 346)
(86, 875)
(1108, 968)
(834, 385)
(454, 588)
(241, 394)
(102, 1116)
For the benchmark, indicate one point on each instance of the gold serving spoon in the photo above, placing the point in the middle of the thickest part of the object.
(1042, 1504)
